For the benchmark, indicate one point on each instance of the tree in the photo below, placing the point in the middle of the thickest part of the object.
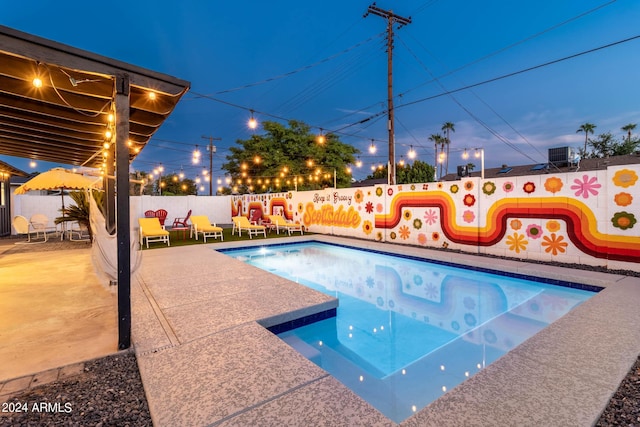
(437, 139)
(417, 172)
(447, 127)
(172, 185)
(587, 128)
(470, 167)
(606, 145)
(285, 158)
(628, 128)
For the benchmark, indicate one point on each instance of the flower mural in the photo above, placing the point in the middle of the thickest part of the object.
(553, 184)
(534, 231)
(516, 224)
(517, 242)
(393, 235)
(368, 207)
(468, 216)
(469, 200)
(554, 244)
(404, 232)
(379, 191)
(588, 186)
(489, 188)
(435, 236)
(422, 239)
(406, 215)
(508, 187)
(553, 226)
(431, 216)
(468, 185)
(623, 199)
(625, 178)
(358, 196)
(529, 187)
(367, 227)
(454, 188)
(623, 220)
(417, 223)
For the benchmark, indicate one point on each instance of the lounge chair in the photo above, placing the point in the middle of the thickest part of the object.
(201, 224)
(280, 223)
(242, 223)
(181, 222)
(152, 231)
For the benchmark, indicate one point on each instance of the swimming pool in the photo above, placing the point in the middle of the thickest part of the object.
(407, 331)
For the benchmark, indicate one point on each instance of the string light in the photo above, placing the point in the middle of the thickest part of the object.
(321, 139)
(372, 147)
(37, 82)
(252, 123)
(196, 156)
(412, 153)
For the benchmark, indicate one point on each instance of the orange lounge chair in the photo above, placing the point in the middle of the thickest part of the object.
(242, 223)
(201, 224)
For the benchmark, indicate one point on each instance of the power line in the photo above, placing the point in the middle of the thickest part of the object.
(515, 73)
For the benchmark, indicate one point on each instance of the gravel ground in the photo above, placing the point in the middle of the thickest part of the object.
(108, 393)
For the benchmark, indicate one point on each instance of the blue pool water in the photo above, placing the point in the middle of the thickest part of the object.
(406, 330)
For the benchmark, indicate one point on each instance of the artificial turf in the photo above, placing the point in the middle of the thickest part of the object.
(176, 238)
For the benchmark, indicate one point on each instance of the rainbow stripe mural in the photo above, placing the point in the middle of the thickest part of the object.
(580, 221)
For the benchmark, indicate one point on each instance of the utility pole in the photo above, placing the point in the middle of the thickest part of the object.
(391, 18)
(211, 149)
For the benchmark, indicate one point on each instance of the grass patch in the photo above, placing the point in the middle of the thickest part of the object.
(176, 238)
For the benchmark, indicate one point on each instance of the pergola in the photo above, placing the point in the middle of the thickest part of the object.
(70, 106)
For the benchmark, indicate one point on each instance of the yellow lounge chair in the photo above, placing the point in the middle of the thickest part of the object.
(152, 231)
(201, 224)
(242, 223)
(280, 223)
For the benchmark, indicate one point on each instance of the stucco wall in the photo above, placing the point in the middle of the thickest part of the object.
(579, 217)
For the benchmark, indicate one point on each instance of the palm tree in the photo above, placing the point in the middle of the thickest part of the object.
(628, 128)
(587, 128)
(446, 128)
(436, 138)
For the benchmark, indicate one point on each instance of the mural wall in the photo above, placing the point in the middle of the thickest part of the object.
(579, 217)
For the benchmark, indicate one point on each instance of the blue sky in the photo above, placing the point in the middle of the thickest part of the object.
(336, 68)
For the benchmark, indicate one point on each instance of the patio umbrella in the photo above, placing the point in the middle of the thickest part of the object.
(59, 179)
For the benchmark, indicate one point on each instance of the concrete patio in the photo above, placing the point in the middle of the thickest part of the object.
(205, 358)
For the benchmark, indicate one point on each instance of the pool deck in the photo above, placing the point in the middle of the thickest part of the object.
(205, 359)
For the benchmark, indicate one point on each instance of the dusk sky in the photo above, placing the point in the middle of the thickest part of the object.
(323, 63)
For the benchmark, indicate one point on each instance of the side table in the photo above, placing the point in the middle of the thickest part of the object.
(183, 229)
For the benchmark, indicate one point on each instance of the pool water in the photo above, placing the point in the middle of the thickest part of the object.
(406, 330)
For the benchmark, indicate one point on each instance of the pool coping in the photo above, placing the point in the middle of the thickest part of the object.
(539, 382)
